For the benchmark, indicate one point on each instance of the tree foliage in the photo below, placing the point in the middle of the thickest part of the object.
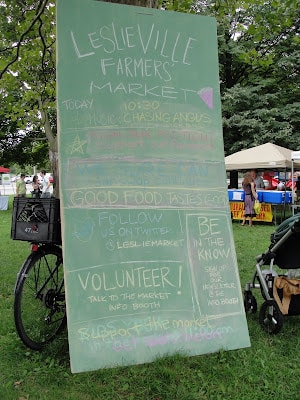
(27, 81)
(259, 73)
(261, 103)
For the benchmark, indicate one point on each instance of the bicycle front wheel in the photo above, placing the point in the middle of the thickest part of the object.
(39, 307)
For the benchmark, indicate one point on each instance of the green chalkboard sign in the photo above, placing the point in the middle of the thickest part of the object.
(149, 258)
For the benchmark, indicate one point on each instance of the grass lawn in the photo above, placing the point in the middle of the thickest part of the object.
(268, 369)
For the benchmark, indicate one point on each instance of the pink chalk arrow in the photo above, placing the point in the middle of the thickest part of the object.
(206, 94)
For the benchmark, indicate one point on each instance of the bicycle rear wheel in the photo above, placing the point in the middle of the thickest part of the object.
(39, 306)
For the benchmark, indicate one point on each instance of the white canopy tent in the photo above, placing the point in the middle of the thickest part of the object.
(267, 156)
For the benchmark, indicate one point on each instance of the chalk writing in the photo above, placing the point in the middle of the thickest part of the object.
(85, 118)
(133, 172)
(78, 104)
(112, 38)
(98, 198)
(113, 330)
(143, 90)
(148, 252)
(151, 243)
(134, 301)
(128, 338)
(140, 277)
(208, 246)
(145, 105)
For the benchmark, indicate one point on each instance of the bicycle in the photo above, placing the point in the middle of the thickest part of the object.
(39, 304)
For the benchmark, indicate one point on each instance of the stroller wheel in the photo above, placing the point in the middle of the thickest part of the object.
(250, 303)
(270, 317)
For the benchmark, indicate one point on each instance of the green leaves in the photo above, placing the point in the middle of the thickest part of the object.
(260, 75)
(26, 56)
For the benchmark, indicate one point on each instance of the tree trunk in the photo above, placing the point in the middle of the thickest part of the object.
(53, 151)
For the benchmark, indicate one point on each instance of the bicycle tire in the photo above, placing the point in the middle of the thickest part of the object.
(39, 305)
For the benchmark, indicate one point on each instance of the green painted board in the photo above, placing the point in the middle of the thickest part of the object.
(149, 257)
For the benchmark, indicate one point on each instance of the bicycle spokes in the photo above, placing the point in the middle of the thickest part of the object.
(40, 311)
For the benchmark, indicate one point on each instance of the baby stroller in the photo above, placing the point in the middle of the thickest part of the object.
(280, 289)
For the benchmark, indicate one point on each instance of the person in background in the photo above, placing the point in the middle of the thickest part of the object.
(298, 183)
(298, 188)
(36, 191)
(45, 185)
(280, 186)
(248, 186)
(258, 180)
(21, 186)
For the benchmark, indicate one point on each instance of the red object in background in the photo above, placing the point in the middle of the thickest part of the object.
(269, 176)
(3, 170)
(289, 183)
(274, 183)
